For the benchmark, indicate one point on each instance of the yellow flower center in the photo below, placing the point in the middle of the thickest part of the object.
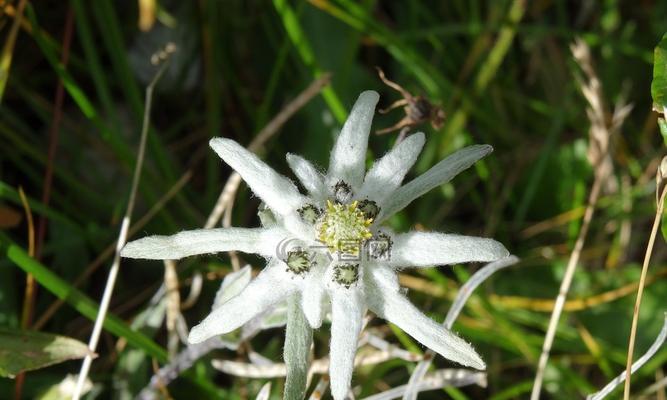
(344, 228)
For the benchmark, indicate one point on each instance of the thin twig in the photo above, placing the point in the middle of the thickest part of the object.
(634, 367)
(437, 380)
(173, 298)
(640, 290)
(228, 191)
(184, 360)
(227, 223)
(195, 290)
(477, 279)
(192, 353)
(660, 376)
(412, 388)
(54, 130)
(320, 388)
(320, 366)
(658, 388)
(381, 344)
(122, 238)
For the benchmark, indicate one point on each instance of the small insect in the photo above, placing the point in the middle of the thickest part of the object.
(418, 109)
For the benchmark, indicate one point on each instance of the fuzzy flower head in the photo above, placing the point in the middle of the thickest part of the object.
(327, 250)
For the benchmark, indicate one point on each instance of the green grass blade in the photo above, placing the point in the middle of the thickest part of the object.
(302, 44)
(659, 84)
(93, 63)
(79, 301)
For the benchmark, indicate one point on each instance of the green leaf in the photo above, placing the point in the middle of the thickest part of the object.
(28, 350)
(662, 124)
(659, 84)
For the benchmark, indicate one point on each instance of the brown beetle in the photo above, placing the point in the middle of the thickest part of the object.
(418, 109)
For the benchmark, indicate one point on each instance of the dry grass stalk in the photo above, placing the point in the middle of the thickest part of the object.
(600, 136)
(662, 189)
(122, 238)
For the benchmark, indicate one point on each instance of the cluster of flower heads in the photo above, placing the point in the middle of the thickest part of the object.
(340, 257)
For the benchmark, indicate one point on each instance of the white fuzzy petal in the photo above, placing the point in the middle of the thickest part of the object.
(203, 241)
(348, 156)
(270, 287)
(379, 275)
(439, 174)
(232, 285)
(311, 179)
(388, 172)
(347, 309)
(394, 307)
(298, 228)
(313, 296)
(278, 192)
(418, 249)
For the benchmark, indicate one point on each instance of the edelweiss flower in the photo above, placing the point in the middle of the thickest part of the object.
(329, 246)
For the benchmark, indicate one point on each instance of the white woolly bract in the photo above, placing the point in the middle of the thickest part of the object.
(437, 175)
(347, 310)
(269, 288)
(389, 304)
(426, 249)
(348, 157)
(313, 296)
(278, 192)
(204, 241)
(387, 173)
(232, 285)
(311, 179)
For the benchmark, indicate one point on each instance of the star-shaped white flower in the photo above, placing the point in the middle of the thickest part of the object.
(329, 247)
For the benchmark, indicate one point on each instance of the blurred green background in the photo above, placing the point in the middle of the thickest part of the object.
(502, 71)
